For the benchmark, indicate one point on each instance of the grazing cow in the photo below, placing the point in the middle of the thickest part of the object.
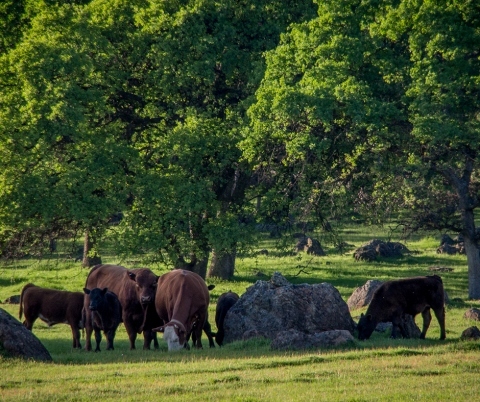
(224, 303)
(393, 299)
(181, 302)
(105, 313)
(53, 307)
(135, 289)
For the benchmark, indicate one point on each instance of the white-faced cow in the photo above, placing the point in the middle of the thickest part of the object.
(53, 307)
(393, 299)
(135, 289)
(224, 303)
(181, 302)
(105, 312)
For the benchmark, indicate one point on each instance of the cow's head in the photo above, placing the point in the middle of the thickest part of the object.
(174, 334)
(97, 298)
(366, 325)
(145, 284)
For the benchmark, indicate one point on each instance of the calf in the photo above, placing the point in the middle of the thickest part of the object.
(224, 303)
(53, 307)
(105, 313)
(393, 299)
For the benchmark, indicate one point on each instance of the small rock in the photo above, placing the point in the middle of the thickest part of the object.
(470, 334)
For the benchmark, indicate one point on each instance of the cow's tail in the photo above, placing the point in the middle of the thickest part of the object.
(20, 312)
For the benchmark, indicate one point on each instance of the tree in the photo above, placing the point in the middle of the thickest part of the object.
(443, 102)
(62, 159)
(324, 116)
(205, 61)
(135, 106)
(375, 101)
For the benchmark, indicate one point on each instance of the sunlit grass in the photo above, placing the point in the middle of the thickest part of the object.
(378, 369)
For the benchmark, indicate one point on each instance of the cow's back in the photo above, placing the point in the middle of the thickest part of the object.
(113, 277)
(410, 294)
(51, 305)
(177, 287)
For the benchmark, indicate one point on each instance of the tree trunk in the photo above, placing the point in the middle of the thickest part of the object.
(473, 260)
(222, 266)
(467, 203)
(472, 250)
(88, 244)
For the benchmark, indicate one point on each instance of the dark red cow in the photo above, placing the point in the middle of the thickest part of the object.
(181, 302)
(53, 307)
(105, 312)
(224, 303)
(135, 289)
(393, 299)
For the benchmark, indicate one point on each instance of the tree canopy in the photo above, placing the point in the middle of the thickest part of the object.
(178, 114)
(376, 103)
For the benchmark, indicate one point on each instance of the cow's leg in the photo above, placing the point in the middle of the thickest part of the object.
(396, 324)
(31, 315)
(98, 338)
(76, 337)
(148, 337)
(155, 340)
(403, 326)
(427, 318)
(132, 334)
(440, 314)
(208, 331)
(88, 323)
(110, 335)
(197, 336)
(28, 323)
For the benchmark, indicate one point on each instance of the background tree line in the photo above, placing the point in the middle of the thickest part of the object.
(196, 119)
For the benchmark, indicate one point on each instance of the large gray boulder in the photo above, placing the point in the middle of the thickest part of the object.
(362, 296)
(271, 307)
(17, 341)
(378, 248)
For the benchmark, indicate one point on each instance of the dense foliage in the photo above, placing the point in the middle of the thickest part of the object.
(179, 114)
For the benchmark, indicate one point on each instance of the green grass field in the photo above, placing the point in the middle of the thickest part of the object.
(378, 369)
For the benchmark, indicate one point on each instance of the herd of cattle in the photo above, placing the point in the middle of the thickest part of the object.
(176, 304)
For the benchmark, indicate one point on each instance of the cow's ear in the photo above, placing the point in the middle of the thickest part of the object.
(211, 287)
(159, 329)
(131, 275)
(104, 290)
(86, 291)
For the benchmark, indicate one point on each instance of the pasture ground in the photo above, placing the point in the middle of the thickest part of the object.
(375, 370)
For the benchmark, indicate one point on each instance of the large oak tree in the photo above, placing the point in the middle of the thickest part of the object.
(376, 104)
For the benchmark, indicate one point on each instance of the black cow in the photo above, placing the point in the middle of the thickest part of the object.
(224, 303)
(105, 313)
(393, 299)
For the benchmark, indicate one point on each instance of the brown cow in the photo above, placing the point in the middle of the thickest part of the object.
(393, 299)
(224, 303)
(135, 289)
(53, 307)
(181, 302)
